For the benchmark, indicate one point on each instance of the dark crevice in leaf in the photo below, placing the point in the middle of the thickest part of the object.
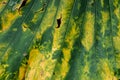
(23, 4)
(59, 21)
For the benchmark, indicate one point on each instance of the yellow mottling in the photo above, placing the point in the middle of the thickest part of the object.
(106, 72)
(116, 39)
(8, 19)
(73, 34)
(24, 27)
(6, 55)
(56, 40)
(118, 60)
(87, 41)
(22, 71)
(49, 19)
(117, 12)
(85, 70)
(116, 3)
(117, 42)
(33, 54)
(70, 38)
(65, 62)
(102, 3)
(2, 4)
(14, 29)
(2, 70)
(39, 68)
(105, 18)
(35, 18)
(2, 45)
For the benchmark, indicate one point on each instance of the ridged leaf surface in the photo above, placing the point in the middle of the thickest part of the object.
(60, 40)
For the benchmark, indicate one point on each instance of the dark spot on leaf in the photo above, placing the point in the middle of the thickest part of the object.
(25, 26)
(53, 73)
(93, 4)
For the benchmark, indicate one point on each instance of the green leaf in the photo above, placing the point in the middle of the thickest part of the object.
(60, 40)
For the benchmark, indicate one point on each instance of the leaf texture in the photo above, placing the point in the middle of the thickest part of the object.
(60, 40)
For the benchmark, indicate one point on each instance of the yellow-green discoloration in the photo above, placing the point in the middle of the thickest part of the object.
(118, 60)
(102, 3)
(39, 68)
(2, 70)
(22, 71)
(105, 71)
(117, 42)
(105, 18)
(7, 19)
(87, 40)
(85, 70)
(116, 3)
(25, 27)
(6, 55)
(49, 19)
(116, 39)
(117, 12)
(70, 38)
(2, 4)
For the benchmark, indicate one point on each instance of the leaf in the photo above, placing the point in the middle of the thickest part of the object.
(60, 40)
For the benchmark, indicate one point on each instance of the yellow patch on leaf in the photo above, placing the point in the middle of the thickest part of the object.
(102, 3)
(87, 41)
(8, 19)
(106, 72)
(105, 18)
(22, 71)
(116, 3)
(24, 27)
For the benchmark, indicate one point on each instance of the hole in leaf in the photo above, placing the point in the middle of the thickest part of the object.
(22, 5)
(59, 21)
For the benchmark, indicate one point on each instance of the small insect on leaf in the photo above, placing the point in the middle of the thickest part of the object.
(22, 5)
(59, 21)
